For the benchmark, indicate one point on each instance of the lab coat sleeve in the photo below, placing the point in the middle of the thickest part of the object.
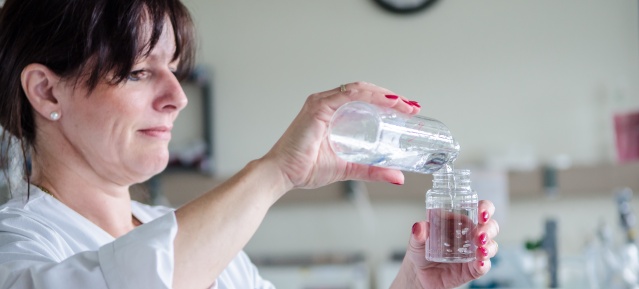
(129, 263)
(241, 273)
(143, 258)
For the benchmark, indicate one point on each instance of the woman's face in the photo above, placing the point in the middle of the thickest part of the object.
(121, 132)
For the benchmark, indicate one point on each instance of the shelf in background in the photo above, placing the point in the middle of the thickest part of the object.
(181, 186)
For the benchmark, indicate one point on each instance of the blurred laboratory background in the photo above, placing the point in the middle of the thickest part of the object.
(542, 96)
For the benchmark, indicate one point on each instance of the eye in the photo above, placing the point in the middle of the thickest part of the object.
(137, 75)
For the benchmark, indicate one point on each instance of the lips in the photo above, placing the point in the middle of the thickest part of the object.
(160, 132)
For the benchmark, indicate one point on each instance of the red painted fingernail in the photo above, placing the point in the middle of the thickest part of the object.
(484, 251)
(481, 263)
(482, 239)
(414, 103)
(484, 216)
(415, 228)
(392, 96)
(406, 101)
(399, 184)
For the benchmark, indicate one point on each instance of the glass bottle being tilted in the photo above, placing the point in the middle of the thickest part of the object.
(364, 133)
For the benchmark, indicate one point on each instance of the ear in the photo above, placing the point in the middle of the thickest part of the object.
(38, 82)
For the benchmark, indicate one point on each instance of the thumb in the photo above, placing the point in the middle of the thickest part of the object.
(417, 242)
(375, 174)
(416, 251)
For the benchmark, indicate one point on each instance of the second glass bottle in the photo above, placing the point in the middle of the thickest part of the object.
(451, 215)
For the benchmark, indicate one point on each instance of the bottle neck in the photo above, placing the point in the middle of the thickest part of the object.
(458, 179)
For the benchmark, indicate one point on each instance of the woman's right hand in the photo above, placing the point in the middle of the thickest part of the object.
(220, 222)
(303, 153)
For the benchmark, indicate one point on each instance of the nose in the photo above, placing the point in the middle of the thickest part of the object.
(171, 95)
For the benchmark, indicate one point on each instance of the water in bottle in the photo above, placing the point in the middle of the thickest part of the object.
(451, 215)
(364, 133)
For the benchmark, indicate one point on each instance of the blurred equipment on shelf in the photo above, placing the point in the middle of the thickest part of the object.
(627, 136)
(610, 264)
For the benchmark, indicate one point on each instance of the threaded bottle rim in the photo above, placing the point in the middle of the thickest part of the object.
(445, 178)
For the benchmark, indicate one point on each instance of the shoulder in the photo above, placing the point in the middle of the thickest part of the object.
(26, 214)
(26, 234)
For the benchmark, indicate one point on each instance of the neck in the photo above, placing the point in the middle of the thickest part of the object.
(106, 205)
(99, 193)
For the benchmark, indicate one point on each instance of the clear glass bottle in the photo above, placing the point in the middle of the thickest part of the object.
(451, 215)
(364, 133)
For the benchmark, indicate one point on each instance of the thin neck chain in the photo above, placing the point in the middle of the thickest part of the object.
(45, 190)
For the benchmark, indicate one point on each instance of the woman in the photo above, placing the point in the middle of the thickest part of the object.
(90, 89)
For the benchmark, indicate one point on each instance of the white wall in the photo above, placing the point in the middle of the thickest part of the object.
(503, 75)
(506, 76)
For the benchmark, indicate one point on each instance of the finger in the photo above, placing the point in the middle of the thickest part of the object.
(395, 177)
(487, 251)
(337, 99)
(491, 229)
(486, 210)
(417, 244)
(406, 106)
(479, 268)
(486, 232)
(375, 174)
(362, 85)
(417, 241)
(396, 102)
(493, 249)
(358, 85)
(402, 103)
(389, 99)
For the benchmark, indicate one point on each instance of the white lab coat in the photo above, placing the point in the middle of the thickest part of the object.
(45, 244)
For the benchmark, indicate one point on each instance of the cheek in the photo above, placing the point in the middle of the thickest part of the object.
(100, 126)
(102, 110)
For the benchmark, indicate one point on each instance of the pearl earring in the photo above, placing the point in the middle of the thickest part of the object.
(55, 115)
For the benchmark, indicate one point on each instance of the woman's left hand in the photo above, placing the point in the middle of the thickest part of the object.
(417, 272)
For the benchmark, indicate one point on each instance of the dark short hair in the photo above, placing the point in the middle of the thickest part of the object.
(91, 40)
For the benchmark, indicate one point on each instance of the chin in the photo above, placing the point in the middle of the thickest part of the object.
(150, 168)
